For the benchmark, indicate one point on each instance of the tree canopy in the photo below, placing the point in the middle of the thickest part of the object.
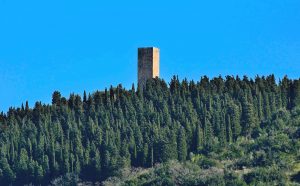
(252, 123)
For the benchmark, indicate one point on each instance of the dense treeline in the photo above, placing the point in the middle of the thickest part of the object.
(99, 134)
(270, 157)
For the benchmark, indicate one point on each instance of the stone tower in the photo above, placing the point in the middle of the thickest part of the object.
(148, 64)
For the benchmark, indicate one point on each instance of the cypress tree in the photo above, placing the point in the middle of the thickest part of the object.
(199, 138)
(56, 96)
(296, 93)
(117, 128)
(208, 135)
(248, 119)
(181, 145)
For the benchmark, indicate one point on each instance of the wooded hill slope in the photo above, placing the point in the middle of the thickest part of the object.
(238, 126)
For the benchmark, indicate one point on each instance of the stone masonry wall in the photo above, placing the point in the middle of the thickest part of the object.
(148, 64)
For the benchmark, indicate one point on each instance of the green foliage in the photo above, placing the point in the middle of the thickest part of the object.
(241, 128)
(266, 176)
(181, 145)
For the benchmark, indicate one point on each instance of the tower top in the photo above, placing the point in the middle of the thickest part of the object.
(148, 64)
(143, 48)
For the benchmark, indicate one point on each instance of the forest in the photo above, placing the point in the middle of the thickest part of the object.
(220, 131)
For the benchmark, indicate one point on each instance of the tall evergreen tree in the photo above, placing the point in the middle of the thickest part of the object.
(56, 96)
(106, 131)
(181, 145)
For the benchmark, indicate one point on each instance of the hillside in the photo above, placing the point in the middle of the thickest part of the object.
(228, 131)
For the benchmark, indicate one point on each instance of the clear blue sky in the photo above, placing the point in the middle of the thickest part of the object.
(72, 46)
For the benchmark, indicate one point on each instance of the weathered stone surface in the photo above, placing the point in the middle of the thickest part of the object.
(148, 64)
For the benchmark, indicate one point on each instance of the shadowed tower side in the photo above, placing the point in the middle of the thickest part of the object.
(148, 64)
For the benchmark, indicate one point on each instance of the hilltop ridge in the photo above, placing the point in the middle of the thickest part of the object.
(241, 127)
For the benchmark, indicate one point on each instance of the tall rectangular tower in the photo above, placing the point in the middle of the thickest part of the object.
(148, 64)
